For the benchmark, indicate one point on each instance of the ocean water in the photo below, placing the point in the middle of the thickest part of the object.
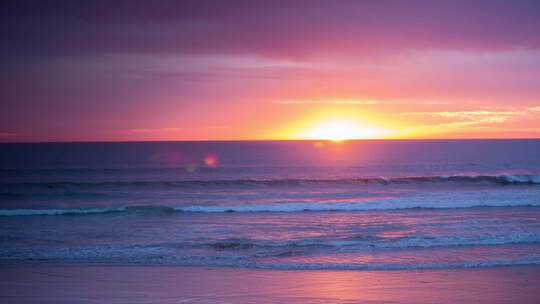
(384, 204)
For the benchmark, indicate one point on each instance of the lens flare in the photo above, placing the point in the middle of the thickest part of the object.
(211, 160)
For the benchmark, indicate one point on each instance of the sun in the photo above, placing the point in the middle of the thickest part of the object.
(339, 130)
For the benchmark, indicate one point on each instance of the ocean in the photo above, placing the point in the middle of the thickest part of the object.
(296, 205)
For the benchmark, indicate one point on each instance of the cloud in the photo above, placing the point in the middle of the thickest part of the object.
(331, 101)
(481, 115)
(477, 120)
(484, 116)
(360, 101)
(154, 130)
(295, 29)
(467, 118)
(8, 134)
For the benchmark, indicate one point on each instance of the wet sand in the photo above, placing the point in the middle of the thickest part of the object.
(166, 284)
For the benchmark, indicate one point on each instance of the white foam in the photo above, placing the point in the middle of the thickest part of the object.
(426, 200)
(520, 178)
(441, 199)
(391, 266)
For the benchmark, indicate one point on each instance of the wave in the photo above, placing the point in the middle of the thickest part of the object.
(502, 179)
(371, 242)
(57, 194)
(89, 169)
(436, 200)
(389, 204)
(390, 266)
(87, 211)
(155, 255)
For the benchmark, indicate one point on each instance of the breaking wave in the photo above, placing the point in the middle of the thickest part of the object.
(436, 200)
(503, 179)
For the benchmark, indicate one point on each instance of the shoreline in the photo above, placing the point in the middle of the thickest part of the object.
(98, 283)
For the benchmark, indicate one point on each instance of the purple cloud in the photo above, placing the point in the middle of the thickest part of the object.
(294, 29)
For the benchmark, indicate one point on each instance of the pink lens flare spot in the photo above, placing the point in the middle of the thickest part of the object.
(211, 160)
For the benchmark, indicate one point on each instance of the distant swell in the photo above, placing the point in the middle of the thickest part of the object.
(84, 211)
(502, 179)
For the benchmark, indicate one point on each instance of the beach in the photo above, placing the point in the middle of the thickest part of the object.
(166, 284)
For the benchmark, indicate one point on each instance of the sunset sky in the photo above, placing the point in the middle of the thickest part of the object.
(237, 70)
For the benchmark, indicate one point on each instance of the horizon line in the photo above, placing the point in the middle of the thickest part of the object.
(261, 140)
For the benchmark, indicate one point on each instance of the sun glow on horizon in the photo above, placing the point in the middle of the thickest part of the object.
(338, 130)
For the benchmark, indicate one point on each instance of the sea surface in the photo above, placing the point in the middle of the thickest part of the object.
(381, 204)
